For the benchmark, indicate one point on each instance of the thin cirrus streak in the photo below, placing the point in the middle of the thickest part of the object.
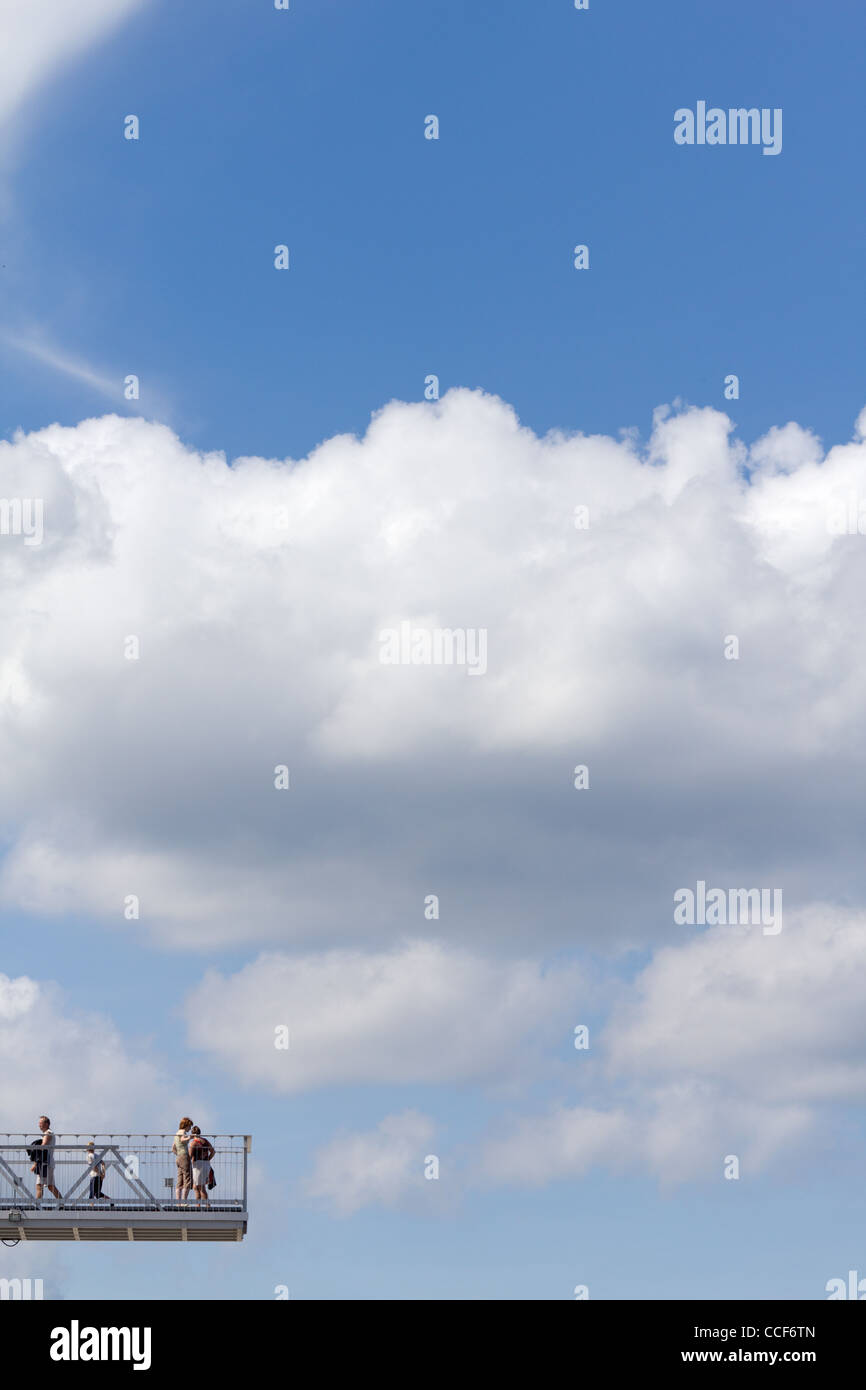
(75, 367)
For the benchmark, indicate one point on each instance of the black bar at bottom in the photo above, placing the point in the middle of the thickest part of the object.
(594, 1338)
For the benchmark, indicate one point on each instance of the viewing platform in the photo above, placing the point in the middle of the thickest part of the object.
(138, 1193)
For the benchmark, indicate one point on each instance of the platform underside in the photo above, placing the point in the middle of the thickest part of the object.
(123, 1223)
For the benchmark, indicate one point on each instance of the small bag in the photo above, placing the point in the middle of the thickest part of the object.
(211, 1180)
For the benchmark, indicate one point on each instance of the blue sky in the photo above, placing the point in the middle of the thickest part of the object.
(454, 257)
(451, 256)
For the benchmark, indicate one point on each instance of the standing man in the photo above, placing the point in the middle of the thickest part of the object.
(44, 1165)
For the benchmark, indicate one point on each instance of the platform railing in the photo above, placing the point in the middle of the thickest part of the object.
(141, 1173)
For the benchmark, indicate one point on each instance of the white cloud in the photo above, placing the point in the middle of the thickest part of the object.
(263, 588)
(76, 1067)
(727, 1044)
(17, 997)
(779, 1018)
(41, 37)
(383, 1167)
(563, 1143)
(732, 1043)
(419, 1013)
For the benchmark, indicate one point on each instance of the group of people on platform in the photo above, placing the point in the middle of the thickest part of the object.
(193, 1154)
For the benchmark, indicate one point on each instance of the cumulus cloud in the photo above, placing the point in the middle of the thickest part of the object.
(384, 1167)
(76, 1067)
(727, 1044)
(730, 1043)
(779, 1019)
(419, 1013)
(257, 594)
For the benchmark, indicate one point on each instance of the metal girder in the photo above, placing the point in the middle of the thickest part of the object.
(132, 1181)
(10, 1173)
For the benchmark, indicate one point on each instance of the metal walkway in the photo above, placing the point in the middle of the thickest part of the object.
(138, 1201)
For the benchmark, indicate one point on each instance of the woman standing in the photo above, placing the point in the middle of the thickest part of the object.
(180, 1148)
(201, 1151)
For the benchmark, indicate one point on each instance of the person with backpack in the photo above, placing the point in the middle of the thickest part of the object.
(201, 1151)
(42, 1154)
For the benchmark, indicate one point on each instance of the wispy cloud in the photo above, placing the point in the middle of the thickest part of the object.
(34, 344)
(72, 366)
(39, 39)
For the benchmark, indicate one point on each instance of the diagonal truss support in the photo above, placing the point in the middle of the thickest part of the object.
(115, 1161)
(13, 1176)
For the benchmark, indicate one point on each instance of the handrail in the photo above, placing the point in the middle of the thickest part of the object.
(88, 1134)
(121, 1168)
